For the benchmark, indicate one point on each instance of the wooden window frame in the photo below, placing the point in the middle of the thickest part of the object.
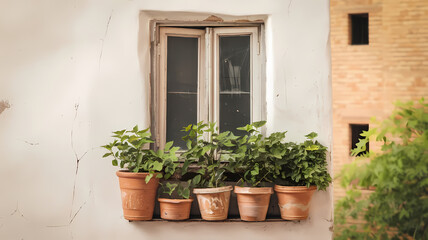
(208, 84)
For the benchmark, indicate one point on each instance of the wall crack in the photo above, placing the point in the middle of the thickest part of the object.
(103, 39)
(74, 215)
(78, 159)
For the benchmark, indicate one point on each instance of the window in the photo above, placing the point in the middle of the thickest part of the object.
(359, 29)
(207, 74)
(356, 130)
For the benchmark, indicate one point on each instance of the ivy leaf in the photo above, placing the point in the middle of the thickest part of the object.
(186, 193)
(157, 166)
(148, 177)
(120, 132)
(312, 148)
(196, 180)
(135, 129)
(311, 135)
(255, 170)
(259, 124)
(168, 146)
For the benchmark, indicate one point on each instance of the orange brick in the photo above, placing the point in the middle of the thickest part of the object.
(366, 79)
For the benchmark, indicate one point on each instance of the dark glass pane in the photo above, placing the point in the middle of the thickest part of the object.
(182, 64)
(359, 28)
(234, 64)
(182, 85)
(234, 83)
(181, 111)
(356, 130)
(234, 112)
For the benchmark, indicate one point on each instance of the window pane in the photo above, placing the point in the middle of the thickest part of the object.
(234, 112)
(181, 111)
(235, 63)
(234, 82)
(182, 64)
(359, 28)
(182, 85)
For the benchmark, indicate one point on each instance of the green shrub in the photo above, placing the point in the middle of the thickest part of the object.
(398, 207)
(303, 164)
(128, 151)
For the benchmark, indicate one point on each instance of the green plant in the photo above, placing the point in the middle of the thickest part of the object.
(128, 151)
(398, 207)
(182, 189)
(255, 154)
(209, 150)
(303, 164)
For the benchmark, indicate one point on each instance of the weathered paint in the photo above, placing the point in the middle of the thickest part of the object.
(4, 105)
(214, 206)
(74, 71)
(302, 207)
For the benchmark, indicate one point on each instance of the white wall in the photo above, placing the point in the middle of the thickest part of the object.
(73, 71)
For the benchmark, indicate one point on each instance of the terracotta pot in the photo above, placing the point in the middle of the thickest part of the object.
(253, 202)
(213, 202)
(138, 198)
(294, 202)
(175, 209)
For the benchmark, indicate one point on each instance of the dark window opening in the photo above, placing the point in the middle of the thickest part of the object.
(359, 29)
(356, 130)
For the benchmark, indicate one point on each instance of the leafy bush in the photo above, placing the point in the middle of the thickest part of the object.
(302, 164)
(128, 152)
(209, 150)
(253, 162)
(398, 207)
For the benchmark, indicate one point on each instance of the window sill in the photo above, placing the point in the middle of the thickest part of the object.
(237, 220)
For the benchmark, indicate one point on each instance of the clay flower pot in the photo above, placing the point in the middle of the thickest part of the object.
(253, 202)
(294, 202)
(213, 202)
(175, 209)
(138, 198)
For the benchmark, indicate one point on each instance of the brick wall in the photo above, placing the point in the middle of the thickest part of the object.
(368, 78)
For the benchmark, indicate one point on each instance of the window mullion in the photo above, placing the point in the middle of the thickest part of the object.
(215, 78)
(205, 76)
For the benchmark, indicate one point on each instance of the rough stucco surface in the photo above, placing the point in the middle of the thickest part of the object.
(73, 71)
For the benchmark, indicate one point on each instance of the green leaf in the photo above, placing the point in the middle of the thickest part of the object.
(311, 135)
(148, 177)
(255, 170)
(157, 166)
(107, 154)
(229, 144)
(186, 193)
(114, 162)
(189, 144)
(196, 179)
(120, 132)
(135, 129)
(312, 148)
(168, 146)
(259, 124)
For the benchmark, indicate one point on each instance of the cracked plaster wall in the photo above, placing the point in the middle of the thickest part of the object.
(73, 71)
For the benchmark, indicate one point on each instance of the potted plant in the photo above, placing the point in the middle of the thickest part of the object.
(207, 149)
(301, 171)
(177, 207)
(255, 168)
(139, 182)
